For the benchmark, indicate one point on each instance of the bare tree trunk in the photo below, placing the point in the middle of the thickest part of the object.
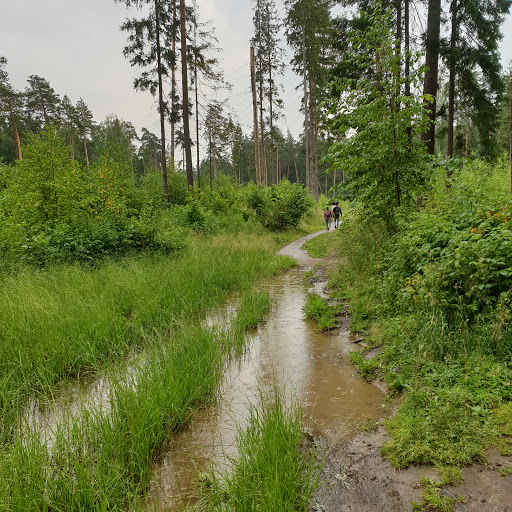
(85, 151)
(306, 117)
(257, 162)
(197, 114)
(407, 49)
(313, 153)
(295, 164)
(173, 81)
(71, 147)
(16, 134)
(184, 81)
(161, 105)
(432, 63)
(451, 91)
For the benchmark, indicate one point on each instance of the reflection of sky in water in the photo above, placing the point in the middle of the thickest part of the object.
(287, 350)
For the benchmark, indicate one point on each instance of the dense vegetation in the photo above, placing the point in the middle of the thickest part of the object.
(101, 267)
(436, 296)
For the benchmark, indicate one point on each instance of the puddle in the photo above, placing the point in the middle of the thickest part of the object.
(287, 350)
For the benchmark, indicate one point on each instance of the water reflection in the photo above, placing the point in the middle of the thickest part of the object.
(286, 351)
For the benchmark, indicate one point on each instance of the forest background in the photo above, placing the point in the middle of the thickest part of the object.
(411, 128)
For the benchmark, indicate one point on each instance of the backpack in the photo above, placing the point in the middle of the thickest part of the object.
(328, 214)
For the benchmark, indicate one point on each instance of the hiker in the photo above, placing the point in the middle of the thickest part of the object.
(327, 217)
(337, 214)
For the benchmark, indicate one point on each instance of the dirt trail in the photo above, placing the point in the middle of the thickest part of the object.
(355, 476)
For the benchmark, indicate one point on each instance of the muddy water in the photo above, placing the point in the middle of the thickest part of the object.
(286, 351)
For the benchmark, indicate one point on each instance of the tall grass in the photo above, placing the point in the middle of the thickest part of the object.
(272, 471)
(100, 459)
(58, 322)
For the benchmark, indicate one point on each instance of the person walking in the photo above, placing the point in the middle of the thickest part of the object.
(337, 214)
(327, 217)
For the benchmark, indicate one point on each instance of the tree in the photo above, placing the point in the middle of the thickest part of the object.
(385, 165)
(149, 150)
(69, 119)
(150, 47)
(430, 83)
(473, 59)
(268, 64)
(203, 70)
(42, 102)
(184, 82)
(308, 23)
(10, 104)
(85, 124)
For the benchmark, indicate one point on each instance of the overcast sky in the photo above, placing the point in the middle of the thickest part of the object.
(77, 46)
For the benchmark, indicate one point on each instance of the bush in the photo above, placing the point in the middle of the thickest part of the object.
(279, 207)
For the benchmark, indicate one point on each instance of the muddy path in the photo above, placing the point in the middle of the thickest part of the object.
(356, 478)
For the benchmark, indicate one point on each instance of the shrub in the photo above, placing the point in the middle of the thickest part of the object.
(279, 207)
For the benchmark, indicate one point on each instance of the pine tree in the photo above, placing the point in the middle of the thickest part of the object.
(85, 124)
(10, 104)
(43, 104)
(69, 120)
(308, 26)
(269, 64)
(150, 47)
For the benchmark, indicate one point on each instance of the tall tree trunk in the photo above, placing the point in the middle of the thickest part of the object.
(307, 135)
(173, 82)
(197, 113)
(451, 91)
(161, 105)
(263, 159)
(407, 63)
(313, 153)
(432, 63)
(85, 150)
(257, 162)
(71, 146)
(16, 134)
(184, 81)
(295, 165)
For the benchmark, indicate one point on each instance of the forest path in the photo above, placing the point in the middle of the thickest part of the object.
(356, 478)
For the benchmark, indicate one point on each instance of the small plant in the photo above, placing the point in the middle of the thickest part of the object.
(320, 310)
(505, 471)
(431, 499)
(368, 425)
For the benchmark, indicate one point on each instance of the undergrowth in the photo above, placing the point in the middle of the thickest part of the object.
(435, 294)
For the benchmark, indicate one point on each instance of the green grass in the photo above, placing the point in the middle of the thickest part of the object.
(272, 471)
(320, 246)
(58, 322)
(101, 458)
(319, 310)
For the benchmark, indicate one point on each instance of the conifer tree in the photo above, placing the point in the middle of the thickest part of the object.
(308, 24)
(85, 124)
(69, 120)
(150, 47)
(42, 103)
(10, 104)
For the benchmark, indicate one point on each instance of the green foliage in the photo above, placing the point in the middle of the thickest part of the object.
(279, 207)
(320, 310)
(374, 119)
(272, 470)
(320, 246)
(438, 290)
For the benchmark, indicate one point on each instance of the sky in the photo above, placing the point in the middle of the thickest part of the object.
(77, 46)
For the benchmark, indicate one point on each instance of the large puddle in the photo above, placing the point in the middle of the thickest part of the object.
(288, 352)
